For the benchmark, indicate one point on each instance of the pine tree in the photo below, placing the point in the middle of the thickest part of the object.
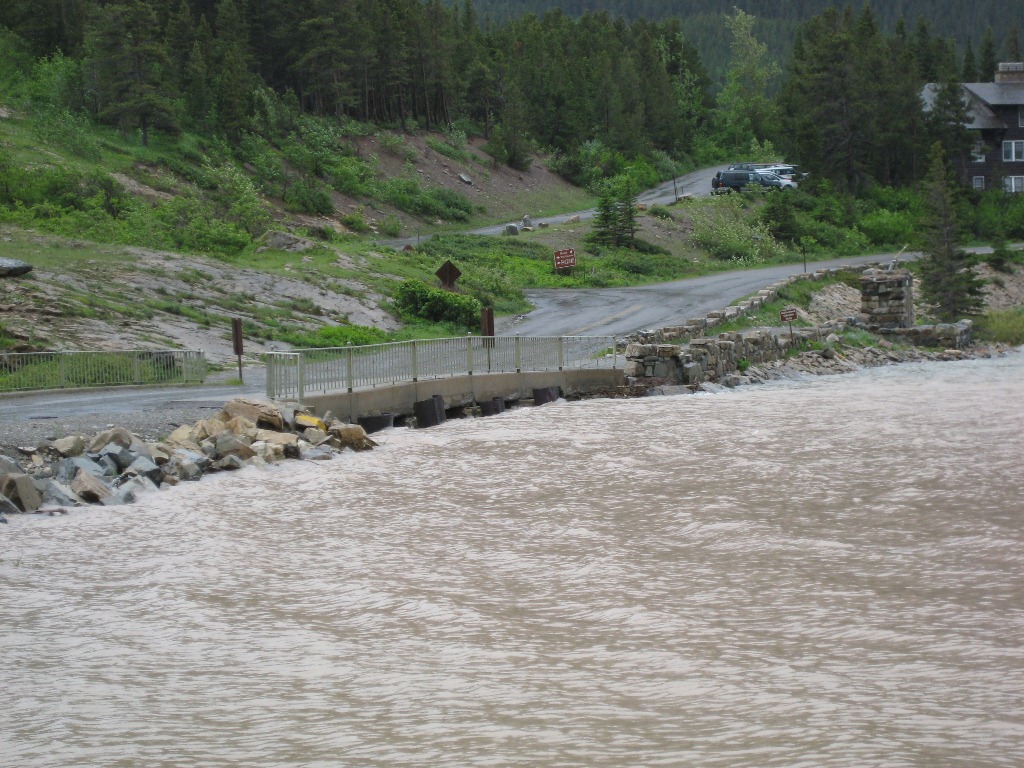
(948, 282)
(969, 72)
(129, 65)
(987, 61)
(615, 223)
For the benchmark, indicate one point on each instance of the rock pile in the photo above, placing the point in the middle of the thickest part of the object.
(115, 466)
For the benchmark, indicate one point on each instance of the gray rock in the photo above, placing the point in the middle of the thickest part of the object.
(68, 468)
(122, 457)
(230, 462)
(13, 268)
(58, 494)
(8, 507)
(7, 464)
(316, 453)
(143, 467)
(511, 229)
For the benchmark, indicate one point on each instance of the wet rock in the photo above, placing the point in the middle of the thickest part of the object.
(316, 453)
(59, 495)
(68, 468)
(7, 507)
(229, 463)
(351, 436)
(241, 426)
(19, 489)
(13, 268)
(89, 487)
(143, 467)
(511, 229)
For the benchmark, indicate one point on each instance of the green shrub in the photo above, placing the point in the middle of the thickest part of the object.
(69, 131)
(1005, 327)
(309, 196)
(660, 212)
(391, 226)
(355, 221)
(419, 300)
(720, 228)
(887, 227)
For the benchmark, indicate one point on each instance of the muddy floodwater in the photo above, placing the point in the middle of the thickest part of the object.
(819, 573)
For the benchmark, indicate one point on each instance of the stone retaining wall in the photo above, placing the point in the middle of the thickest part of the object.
(650, 356)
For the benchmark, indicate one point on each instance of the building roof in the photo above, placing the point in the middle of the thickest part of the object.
(979, 109)
(998, 94)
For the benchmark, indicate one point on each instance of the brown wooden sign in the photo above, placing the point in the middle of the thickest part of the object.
(565, 258)
(448, 274)
(787, 315)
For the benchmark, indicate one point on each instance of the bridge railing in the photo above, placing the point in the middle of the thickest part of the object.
(293, 375)
(21, 371)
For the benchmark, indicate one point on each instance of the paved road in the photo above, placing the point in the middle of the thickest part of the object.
(30, 406)
(618, 311)
(697, 184)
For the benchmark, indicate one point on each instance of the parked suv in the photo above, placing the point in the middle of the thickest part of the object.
(735, 181)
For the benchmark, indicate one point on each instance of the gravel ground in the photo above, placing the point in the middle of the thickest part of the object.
(150, 425)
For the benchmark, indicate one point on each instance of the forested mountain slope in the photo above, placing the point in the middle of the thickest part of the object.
(702, 20)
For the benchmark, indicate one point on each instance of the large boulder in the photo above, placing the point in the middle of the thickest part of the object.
(117, 436)
(69, 446)
(259, 412)
(89, 487)
(13, 268)
(227, 444)
(351, 436)
(19, 488)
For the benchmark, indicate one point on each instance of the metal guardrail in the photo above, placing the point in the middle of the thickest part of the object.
(292, 375)
(20, 371)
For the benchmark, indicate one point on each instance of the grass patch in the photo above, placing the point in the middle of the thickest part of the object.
(798, 294)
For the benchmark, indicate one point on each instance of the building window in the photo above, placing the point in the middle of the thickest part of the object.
(1013, 151)
(978, 182)
(1020, 117)
(978, 152)
(1013, 184)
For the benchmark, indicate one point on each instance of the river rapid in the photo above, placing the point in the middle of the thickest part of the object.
(818, 573)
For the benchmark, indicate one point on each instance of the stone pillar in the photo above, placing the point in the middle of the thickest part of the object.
(887, 298)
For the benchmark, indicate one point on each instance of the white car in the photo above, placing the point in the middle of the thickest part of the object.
(791, 172)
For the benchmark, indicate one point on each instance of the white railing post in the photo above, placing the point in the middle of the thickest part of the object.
(561, 352)
(469, 353)
(299, 382)
(518, 355)
(349, 367)
(415, 366)
(63, 370)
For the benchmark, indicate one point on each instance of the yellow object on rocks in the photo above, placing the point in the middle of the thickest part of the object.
(305, 420)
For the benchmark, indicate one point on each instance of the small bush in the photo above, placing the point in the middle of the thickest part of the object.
(661, 212)
(1005, 327)
(391, 226)
(419, 300)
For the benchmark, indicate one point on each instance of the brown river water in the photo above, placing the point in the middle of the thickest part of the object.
(818, 573)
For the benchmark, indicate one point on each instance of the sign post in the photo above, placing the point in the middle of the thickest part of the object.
(448, 274)
(565, 259)
(236, 343)
(788, 316)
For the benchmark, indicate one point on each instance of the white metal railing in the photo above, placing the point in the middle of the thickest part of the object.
(292, 375)
(59, 370)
